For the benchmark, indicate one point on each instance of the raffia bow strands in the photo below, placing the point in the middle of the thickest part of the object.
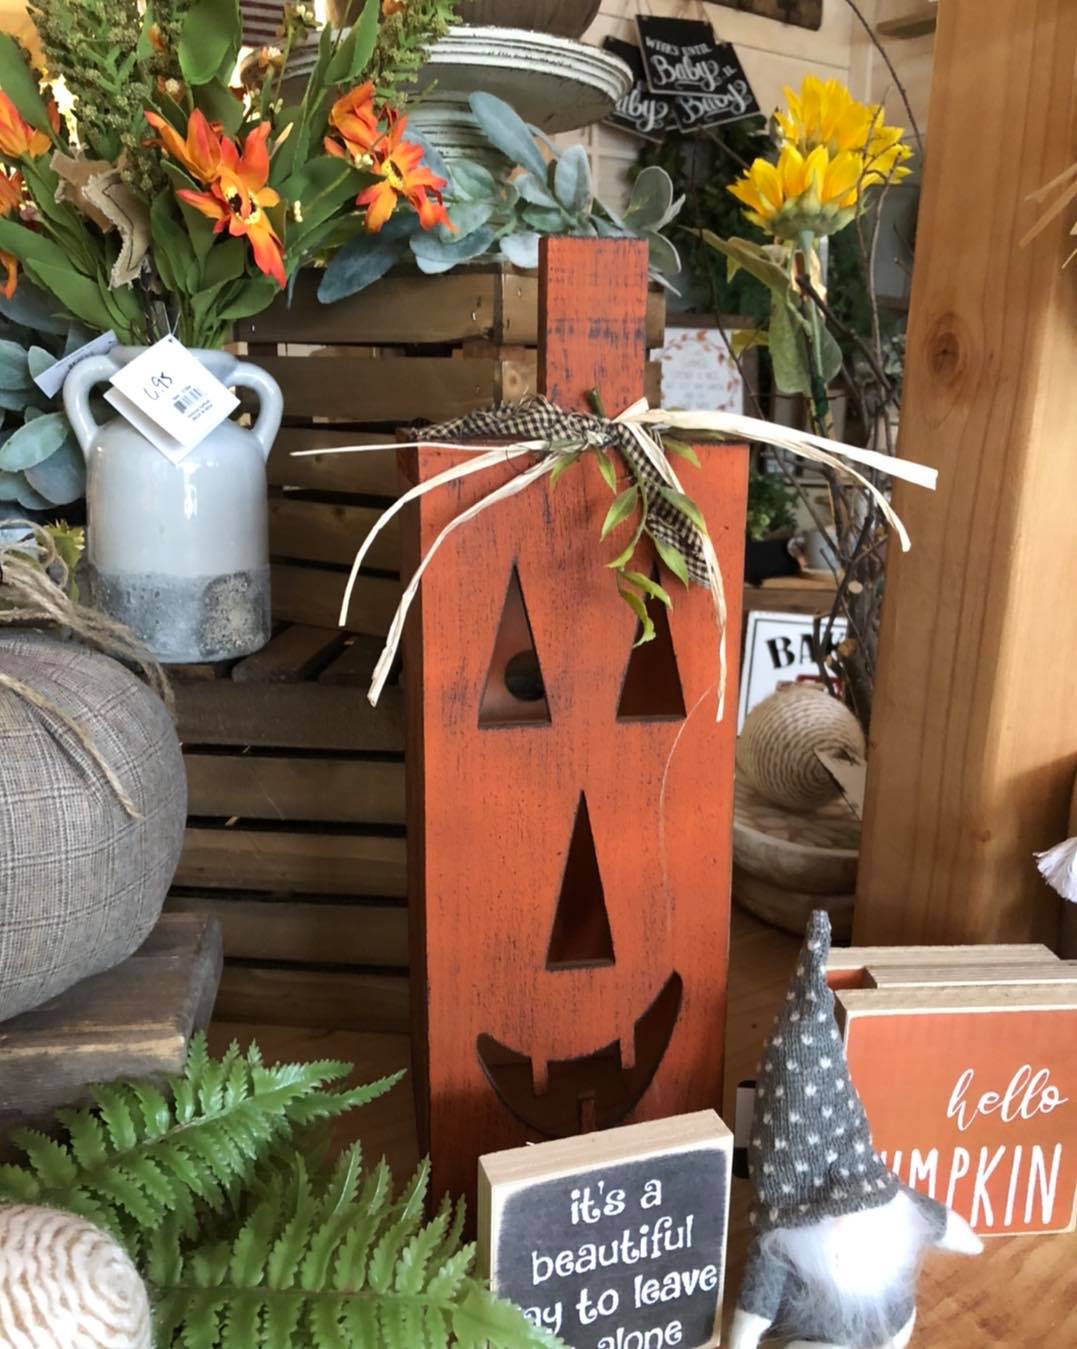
(536, 426)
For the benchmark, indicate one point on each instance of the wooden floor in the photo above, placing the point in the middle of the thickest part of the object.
(1021, 1292)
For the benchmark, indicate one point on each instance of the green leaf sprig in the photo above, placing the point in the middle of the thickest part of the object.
(635, 587)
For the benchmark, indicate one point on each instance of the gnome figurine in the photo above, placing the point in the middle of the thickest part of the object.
(837, 1237)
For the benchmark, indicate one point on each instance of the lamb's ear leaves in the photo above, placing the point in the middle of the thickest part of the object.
(366, 259)
(506, 130)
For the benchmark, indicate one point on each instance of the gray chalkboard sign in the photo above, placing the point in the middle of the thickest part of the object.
(614, 1240)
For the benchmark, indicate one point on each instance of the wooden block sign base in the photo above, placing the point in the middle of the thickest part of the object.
(972, 1095)
(613, 1240)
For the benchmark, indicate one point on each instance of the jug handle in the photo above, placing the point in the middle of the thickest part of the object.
(270, 401)
(80, 380)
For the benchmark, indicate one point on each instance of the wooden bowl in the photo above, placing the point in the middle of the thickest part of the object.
(813, 852)
(562, 18)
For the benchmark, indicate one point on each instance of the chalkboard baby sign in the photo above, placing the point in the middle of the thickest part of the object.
(613, 1240)
(681, 57)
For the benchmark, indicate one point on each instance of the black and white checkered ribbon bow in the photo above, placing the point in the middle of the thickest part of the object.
(536, 418)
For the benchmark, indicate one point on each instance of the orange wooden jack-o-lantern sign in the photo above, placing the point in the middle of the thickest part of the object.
(570, 797)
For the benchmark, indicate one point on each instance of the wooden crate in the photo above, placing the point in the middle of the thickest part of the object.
(295, 838)
(410, 349)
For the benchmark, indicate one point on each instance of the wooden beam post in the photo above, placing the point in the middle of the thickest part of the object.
(974, 736)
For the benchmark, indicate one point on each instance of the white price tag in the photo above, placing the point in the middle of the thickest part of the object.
(51, 381)
(171, 398)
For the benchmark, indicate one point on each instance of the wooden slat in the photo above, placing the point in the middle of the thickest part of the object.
(974, 723)
(652, 385)
(520, 310)
(287, 863)
(318, 531)
(491, 300)
(306, 934)
(265, 787)
(374, 474)
(330, 999)
(398, 389)
(309, 595)
(397, 309)
(355, 664)
(656, 319)
(519, 378)
(289, 716)
(290, 657)
(131, 1021)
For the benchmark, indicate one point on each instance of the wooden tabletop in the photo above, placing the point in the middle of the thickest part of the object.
(1022, 1292)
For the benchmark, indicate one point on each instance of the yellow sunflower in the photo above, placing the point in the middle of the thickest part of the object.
(817, 193)
(825, 113)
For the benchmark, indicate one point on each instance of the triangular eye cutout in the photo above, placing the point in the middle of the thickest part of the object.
(581, 927)
(652, 685)
(514, 694)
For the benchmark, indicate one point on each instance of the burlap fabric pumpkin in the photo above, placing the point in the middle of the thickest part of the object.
(81, 881)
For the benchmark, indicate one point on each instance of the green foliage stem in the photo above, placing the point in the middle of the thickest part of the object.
(94, 45)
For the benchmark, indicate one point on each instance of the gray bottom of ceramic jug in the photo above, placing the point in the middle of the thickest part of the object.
(188, 619)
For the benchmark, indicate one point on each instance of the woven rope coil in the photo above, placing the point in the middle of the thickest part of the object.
(65, 1283)
(777, 748)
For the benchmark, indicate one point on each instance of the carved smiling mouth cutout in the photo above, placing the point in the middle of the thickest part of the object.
(597, 1090)
(584, 1094)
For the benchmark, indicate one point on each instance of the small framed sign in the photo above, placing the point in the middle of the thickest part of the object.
(615, 1240)
(972, 1095)
(681, 57)
(647, 115)
(778, 649)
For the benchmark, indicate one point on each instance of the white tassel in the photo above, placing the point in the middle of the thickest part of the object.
(1058, 867)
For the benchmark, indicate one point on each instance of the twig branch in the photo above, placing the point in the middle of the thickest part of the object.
(873, 38)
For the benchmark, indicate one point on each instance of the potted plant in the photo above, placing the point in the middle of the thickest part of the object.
(771, 525)
(164, 202)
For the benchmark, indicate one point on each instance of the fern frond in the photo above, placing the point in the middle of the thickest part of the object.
(140, 1155)
(334, 1262)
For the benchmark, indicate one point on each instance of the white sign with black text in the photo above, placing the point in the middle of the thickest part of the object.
(778, 649)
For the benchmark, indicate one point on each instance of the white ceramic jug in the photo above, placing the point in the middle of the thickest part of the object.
(179, 552)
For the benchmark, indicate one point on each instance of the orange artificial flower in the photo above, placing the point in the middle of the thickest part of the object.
(238, 198)
(399, 165)
(18, 137)
(353, 118)
(200, 152)
(10, 197)
(391, 7)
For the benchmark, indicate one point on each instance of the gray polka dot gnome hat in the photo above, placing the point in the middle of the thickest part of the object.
(810, 1154)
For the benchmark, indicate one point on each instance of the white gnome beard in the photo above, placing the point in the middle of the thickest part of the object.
(846, 1267)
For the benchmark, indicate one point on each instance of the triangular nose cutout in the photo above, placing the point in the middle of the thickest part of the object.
(514, 694)
(652, 685)
(581, 927)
